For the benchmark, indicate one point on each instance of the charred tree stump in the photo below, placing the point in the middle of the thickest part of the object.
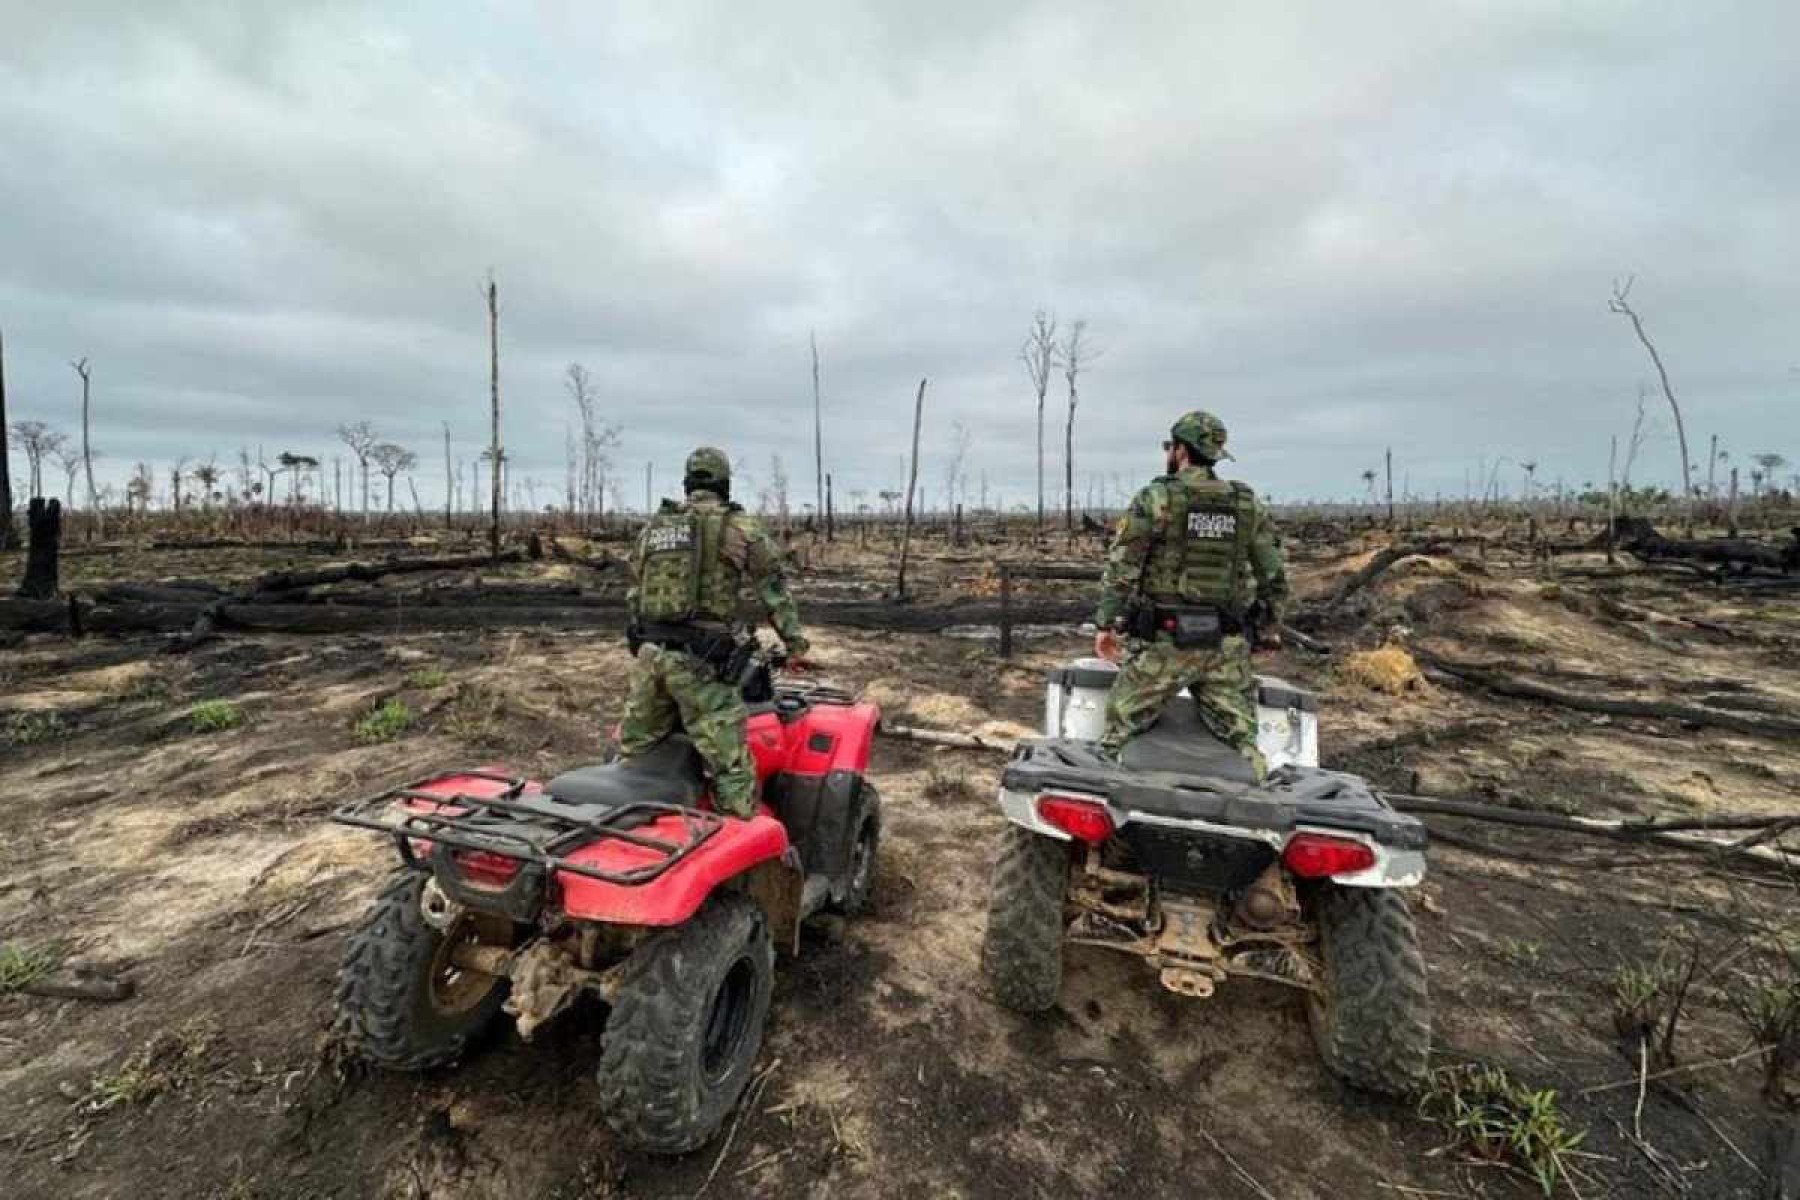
(45, 520)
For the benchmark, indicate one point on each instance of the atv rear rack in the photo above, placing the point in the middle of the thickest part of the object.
(536, 832)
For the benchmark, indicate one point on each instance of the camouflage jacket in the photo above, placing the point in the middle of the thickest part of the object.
(1144, 528)
(748, 561)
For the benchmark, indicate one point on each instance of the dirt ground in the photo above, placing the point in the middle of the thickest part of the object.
(201, 865)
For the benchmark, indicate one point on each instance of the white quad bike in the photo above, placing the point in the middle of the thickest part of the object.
(1180, 856)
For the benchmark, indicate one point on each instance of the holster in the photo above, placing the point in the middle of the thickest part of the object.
(1189, 626)
(719, 649)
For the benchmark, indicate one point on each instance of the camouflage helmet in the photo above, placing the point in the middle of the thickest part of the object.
(708, 465)
(1204, 432)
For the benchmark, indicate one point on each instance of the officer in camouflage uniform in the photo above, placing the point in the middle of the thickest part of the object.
(1193, 574)
(693, 564)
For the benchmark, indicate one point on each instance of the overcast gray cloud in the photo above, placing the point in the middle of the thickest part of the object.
(1339, 228)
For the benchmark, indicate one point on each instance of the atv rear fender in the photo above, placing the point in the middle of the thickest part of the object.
(678, 893)
(1394, 866)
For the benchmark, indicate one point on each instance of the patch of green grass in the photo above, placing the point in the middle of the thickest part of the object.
(34, 728)
(428, 677)
(22, 966)
(215, 716)
(1641, 996)
(477, 716)
(1522, 953)
(1495, 1118)
(165, 1063)
(385, 722)
(1766, 998)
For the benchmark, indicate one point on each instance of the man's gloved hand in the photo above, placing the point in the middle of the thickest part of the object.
(1268, 638)
(1108, 646)
(799, 658)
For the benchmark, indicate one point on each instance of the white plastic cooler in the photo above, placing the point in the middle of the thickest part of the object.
(1287, 717)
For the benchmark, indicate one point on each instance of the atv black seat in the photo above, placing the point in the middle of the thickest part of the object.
(671, 772)
(1180, 743)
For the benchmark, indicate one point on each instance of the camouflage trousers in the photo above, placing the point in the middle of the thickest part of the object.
(672, 690)
(1221, 681)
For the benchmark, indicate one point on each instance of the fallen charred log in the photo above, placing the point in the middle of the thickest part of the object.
(1641, 538)
(1503, 683)
(1373, 570)
(268, 615)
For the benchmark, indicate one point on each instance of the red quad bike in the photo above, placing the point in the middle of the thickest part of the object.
(617, 881)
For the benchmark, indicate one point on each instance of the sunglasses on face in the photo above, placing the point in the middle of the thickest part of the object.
(1168, 446)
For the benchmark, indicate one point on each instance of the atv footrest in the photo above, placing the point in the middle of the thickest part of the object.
(526, 828)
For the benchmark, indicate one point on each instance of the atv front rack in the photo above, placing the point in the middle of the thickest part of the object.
(532, 830)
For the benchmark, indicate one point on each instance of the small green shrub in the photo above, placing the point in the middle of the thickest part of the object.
(165, 1063)
(34, 728)
(1641, 997)
(215, 716)
(1493, 1117)
(1521, 953)
(22, 966)
(385, 722)
(428, 677)
(477, 718)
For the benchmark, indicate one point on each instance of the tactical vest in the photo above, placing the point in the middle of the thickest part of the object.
(682, 576)
(1203, 554)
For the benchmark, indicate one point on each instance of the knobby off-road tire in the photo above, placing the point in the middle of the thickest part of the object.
(400, 1004)
(865, 854)
(1373, 1022)
(686, 1027)
(1022, 954)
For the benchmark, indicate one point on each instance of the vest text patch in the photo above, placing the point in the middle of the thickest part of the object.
(665, 538)
(1212, 526)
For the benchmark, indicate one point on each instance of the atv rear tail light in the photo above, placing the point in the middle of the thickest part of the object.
(486, 870)
(1317, 856)
(1084, 820)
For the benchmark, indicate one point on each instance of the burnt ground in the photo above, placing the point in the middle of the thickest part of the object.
(200, 865)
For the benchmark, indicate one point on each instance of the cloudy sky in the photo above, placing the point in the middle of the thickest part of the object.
(1338, 230)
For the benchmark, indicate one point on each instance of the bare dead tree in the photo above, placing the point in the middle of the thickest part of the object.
(139, 489)
(87, 450)
(778, 491)
(9, 530)
(818, 434)
(580, 386)
(177, 475)
(1612, 499)
(1075, 355)
(956, 482)
(38, 442)
(597, 438)
(1620, 303)
(361, 439)
(571, 468)
(70, 460)
(1040, 356)
(449, 483)
(497, 452)
(912, 483)
(391, 460)
(1390, 487)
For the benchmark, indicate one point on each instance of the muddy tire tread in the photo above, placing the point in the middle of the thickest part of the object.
(1375, 1032)
(376, 998)
(651, 1044)
(1022, 953)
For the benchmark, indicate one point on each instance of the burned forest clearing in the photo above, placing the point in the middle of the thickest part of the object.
(168, 776)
